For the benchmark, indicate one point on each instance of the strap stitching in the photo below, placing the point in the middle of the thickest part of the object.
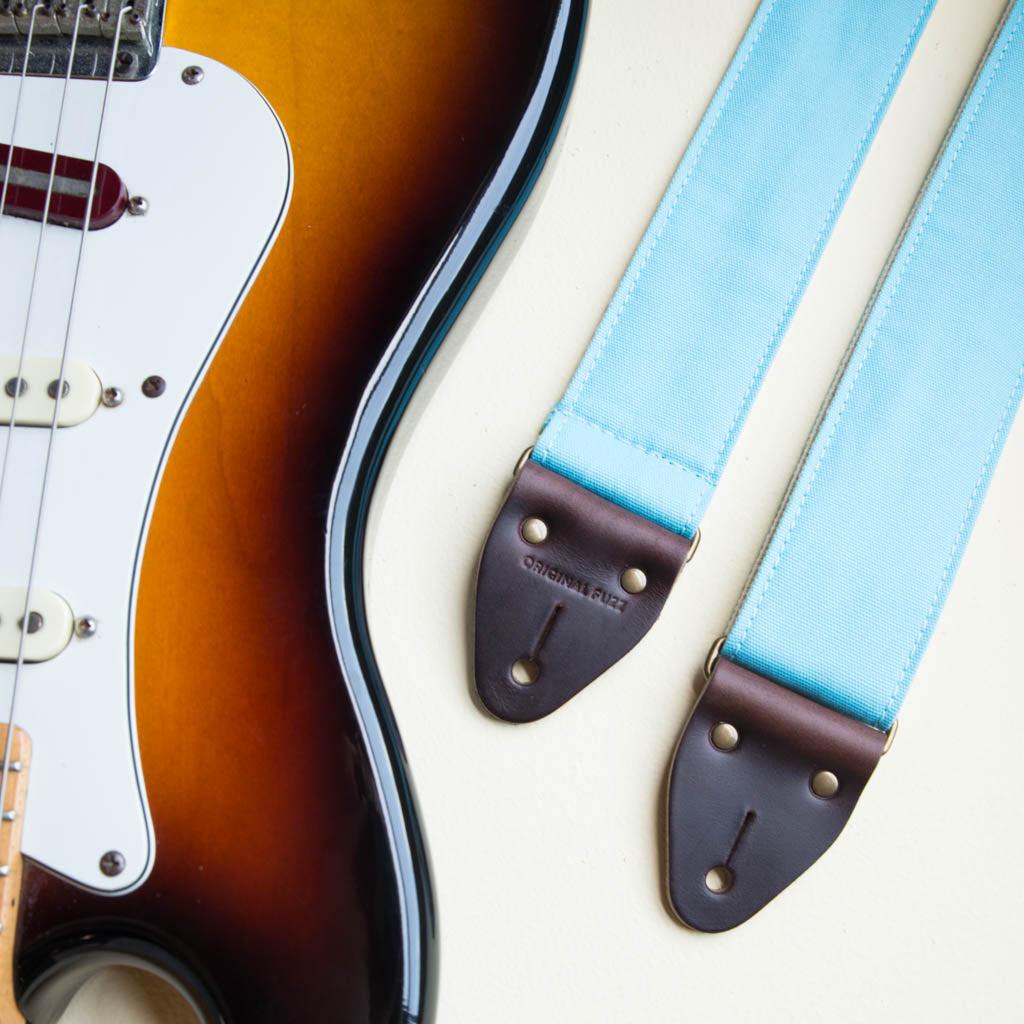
(863, 359)
(627, 441)
(803, 275)
(884, 716)
(602, 345)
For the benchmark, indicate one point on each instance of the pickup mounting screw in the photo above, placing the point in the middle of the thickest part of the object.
(154, 387)
(138, 206)
(112, 397)
(112, 863)
(86, 626)
(192, 75)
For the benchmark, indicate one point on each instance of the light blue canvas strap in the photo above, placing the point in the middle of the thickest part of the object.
(654, 408)
(652, 413)
(849, 587)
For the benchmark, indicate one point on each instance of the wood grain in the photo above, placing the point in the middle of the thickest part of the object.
(271, 880)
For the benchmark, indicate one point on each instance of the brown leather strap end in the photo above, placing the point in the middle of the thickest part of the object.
(751, 803)
(568, 583)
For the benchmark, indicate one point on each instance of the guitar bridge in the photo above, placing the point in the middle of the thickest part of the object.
(51, 26)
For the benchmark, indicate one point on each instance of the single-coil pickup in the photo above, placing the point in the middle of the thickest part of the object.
(48, 628)
(36, 390)
(36, 183)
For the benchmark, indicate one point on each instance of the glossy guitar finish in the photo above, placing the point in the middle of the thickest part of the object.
(273, 892)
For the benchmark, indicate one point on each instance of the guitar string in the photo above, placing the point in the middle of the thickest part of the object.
(3, 206)
(4, 772)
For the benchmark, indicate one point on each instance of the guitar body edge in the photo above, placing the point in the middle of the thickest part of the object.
(289, 880)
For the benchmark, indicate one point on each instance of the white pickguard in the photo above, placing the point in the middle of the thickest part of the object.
(155, 295)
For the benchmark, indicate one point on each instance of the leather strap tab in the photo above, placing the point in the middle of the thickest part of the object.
(752, 808)
(560, 608)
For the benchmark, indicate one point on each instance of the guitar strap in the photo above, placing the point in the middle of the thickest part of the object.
(845, 597)
(605, 511)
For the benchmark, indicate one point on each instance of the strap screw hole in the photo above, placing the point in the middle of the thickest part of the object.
(719, 879)
(634, 581)
(525, 671)
(725, 736)
(825, 785)
(534, 530)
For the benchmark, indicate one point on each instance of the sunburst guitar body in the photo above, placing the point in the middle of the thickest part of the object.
(232, 237)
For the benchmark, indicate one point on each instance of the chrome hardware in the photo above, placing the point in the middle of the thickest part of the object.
(139, 43)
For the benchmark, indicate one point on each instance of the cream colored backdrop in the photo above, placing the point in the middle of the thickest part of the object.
(546, 839)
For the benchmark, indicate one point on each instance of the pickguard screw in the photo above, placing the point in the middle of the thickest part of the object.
(154, 387)
(192, 75)
(138, 206)
(86, 626)
(112, 397)
(112, 863)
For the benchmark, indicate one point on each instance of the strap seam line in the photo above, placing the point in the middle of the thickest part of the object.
(867, 351)
(627, 441)
(602, 345)
(957, 547)
(815, 249)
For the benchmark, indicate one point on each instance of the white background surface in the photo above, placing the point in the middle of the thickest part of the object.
(546, 839)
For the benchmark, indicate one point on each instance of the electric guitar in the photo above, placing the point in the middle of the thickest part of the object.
(200, 773)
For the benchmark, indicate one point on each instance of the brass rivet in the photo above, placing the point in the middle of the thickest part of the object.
(534, 530)
(719, 879)
(634, 581)
(825, 784)
(525, 671)
(725, 736)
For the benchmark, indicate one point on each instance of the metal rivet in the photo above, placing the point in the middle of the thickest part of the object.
(825, 784)
(634, 581)
(525, 671)
(534, 530)
(719, 879)
(192, 75)
(86, 626)
(112, 863)
(112, 397)
(138, 206)
(890, 737)
(725, 736)
(16, 384)
(154, 387)
(521, 461)
(51, 388)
